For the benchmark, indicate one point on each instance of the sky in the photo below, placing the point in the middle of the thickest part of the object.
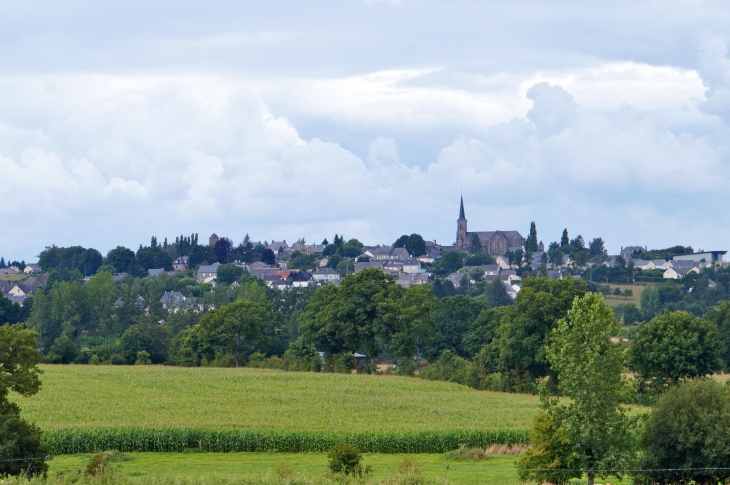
(368, 118)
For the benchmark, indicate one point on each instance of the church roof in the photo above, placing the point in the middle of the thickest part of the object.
(461, 209)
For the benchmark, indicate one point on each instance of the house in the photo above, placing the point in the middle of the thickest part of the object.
(411, 265)
(279, 247)
(206, 273)
(497, 242)
(258, 265)
(20, 300)
(393, 265)
(430, 256)
(707, 256)
(156, 272)
(491, 269)
(261, 272)
(502, 262)
(10, 271)
(323, 262)
(657, 264)
(173, 299)
(181, 263)
(455, 279)
(324, 275)
(512, 290)
(406, 280)
(679, 272)
(41, 280)
(368, 264)
(301, 278)
(21, 289)
(642, 263)
(386, 253)
(628, 252)
(681, 263)
(32, 268)
(276, 282)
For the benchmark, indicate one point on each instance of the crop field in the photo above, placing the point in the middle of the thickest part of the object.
(155, 408)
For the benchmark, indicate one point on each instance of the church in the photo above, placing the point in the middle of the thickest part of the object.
(493, 242)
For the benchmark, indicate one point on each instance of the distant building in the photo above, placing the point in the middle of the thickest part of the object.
(708, 256)
(323, 275)
(497, 242)
(213, 239)
(207, 272)
(628, 252)
(181, 263)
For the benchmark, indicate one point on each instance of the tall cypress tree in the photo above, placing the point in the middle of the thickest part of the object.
(531, 244)
(564, 239)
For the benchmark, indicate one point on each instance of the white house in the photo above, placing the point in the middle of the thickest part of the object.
(323, 275)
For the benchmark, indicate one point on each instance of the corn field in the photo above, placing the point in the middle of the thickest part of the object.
(71, 441)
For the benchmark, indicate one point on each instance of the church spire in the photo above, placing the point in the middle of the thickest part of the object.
(461, 209)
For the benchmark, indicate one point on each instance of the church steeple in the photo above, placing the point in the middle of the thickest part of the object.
(461, 231)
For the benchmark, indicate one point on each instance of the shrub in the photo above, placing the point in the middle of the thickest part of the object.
(64, 350)
(345, 458)
(344, 363)
(465, 453)
(116, 359)
(450, 367)
(94, 360)
(19, 439)
(689, 429)
(143, 358)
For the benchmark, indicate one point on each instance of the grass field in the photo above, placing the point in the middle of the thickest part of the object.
(495, 470)
(264, 400)
(635, 298)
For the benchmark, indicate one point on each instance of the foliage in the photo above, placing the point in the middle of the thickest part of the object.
(665, 254)
(519, 347)
(223, 247)
(227, 329)
(345, 458)
(531, 242)
(720, 317)
(19, 372)
(671, 347)
(549, 457)
(475, 244)
(588, 366)
(226, 274)
(268, 257)
(688, 432)
(443, 288)
(347, 318)
(19, 440)
(452, 318)
(86, 261)
(150, 337)
(495, 294)
(449, 261)
(479, 259)
(63, 351)
(414, 244)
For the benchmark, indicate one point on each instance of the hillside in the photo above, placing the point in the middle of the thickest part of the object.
(264, 400)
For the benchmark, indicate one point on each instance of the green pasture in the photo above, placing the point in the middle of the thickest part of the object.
(252, 466)
(613, 301)
(262, 400)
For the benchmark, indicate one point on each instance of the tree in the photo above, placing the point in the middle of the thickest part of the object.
(628, 292)
(495, 294)
(578, 243)
(671, 347)
(531, 243)
(687, 436)
(617, 292)
(589, 368)
(649, 302)
(564, 239)
(556, 257)
(596, 247)
(475, 244)
(268, 257)
(150, 337)
(479, 259)
(347, 318)
(101, 296)
(230, 326)
(226, 274)
(720, 316)
(120, 257)
(452, 320)
(222, 248)
(414, 244)
(450, 261)
(526, 327)
(19, 372)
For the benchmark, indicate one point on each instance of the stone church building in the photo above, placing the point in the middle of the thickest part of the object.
(493, 242)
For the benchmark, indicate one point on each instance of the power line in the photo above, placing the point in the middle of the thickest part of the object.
(27, 459)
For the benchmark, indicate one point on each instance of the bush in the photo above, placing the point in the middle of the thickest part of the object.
(116, 359)
(64, 350)
(344, 363)
(689, 428)
(345, 458)
(143, 358)
(549, 458)
(452, 368)
(19, 439)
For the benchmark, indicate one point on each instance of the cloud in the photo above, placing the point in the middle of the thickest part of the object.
(101, 160)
